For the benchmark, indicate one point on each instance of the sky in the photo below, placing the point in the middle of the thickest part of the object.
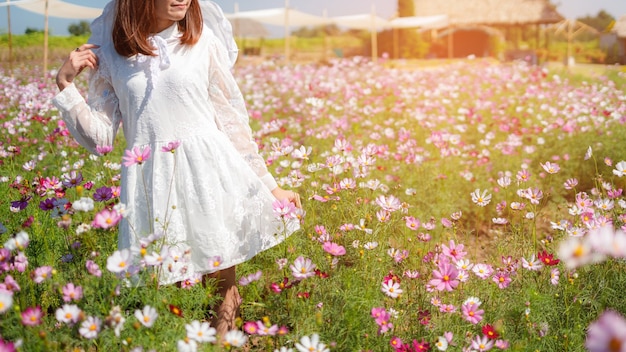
(21, 19)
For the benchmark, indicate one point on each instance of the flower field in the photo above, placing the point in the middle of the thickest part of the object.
(471, 206)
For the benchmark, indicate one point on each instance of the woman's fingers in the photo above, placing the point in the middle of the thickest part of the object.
(296, 199)
(80, 58)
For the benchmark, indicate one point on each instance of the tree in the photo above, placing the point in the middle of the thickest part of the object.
(600, 22)
(30, 30)
(82, 28)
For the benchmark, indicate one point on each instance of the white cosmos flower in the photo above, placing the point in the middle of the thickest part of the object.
(311, 344)
(481, 199)
(200, 331)
(147, 316)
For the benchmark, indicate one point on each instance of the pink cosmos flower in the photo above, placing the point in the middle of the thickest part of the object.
(72, 293)
(412, 223)
(31, 316)
(523, 175)
(136, 156)
(554, 276)
(482, 270)
(382, 319)
(215, 262)
(445, 278)
(333, 248)
(302, 268)
(608, 333)
(265, 330)
(246, 280)
(171, 146)
(251, 328)
(551, 168)
(454, 251)
(93, 268)
(570, 183)
(42, 273)
(472, 313)
(502, 279)
(104, 149)
(283, 208)
(106, 219)
(396, 343)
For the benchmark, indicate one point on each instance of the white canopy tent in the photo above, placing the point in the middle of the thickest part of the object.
(364, 21)
(54, 8)
(284, 16)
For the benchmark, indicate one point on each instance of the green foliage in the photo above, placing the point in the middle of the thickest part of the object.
(600, 22)
(381, 112)
(80, 29)
(30, 30)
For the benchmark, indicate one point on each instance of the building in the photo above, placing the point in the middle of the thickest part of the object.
(479, 27)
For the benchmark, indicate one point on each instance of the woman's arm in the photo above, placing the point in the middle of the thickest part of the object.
(94, 122)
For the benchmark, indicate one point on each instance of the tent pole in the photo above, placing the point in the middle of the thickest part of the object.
(10, 38)
(374, 37)
(326, 39)
(395, 43)
(287, 51)
(45, 42)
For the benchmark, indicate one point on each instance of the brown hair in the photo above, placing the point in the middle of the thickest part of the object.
(133, 25)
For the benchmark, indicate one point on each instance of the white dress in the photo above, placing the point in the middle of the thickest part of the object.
(211, 197)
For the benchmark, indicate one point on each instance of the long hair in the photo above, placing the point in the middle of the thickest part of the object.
(133, 24)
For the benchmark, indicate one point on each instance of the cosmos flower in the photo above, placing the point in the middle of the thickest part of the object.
(136, 156)
(147, 316)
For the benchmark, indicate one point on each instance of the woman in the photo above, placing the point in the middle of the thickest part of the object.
(161, 70)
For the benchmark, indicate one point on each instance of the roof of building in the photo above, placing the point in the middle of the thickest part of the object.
(491, 12)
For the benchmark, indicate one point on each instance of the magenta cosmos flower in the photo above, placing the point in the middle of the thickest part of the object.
(333, 248)
(31, 316)
(136, 156)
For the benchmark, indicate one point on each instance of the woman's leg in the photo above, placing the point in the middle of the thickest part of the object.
(228, 310)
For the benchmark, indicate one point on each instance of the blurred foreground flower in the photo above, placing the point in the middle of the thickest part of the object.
(608, 333)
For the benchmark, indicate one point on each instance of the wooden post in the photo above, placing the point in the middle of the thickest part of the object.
(374, 36)
(45, 41)
(10, 39)
(450, 42)
(287, 48)
(325, 53)
(395, 43)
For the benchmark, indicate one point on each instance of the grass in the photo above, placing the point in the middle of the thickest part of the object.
(386, 145)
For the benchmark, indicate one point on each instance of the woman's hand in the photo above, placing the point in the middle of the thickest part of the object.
(292, 196)
(79, 59)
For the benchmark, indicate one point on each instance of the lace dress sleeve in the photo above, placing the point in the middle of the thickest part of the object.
(232, 115)
(95, 121)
